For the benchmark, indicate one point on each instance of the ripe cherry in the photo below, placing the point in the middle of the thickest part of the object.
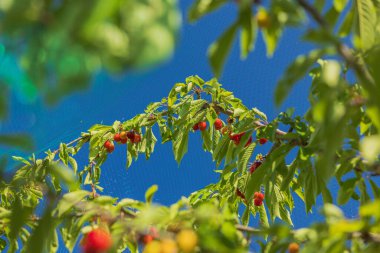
(258, 202)
(97, 241)
(109, 146)
(218, 124)
(236, 138)
(123, 136)
(131, 135)
(196, 127)
(137, 138)
(202, 125)
(258, 195)
(262, 141)
(116, 137)
(254, 166)
(147, 239)
(124, 140)
(293, 247)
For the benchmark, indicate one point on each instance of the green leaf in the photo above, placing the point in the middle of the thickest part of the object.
(20, 159)
(221, 149)
(218, 51)
(245, 217)
(69, 200)
(271, 36)
(180, 144)
(207, 139)
(339, 5)
(375, 189)
(22, 141)
(296, 71)
(63, 154)
(244, 157)
(248, 31)
(150, 193)
(311, 189)
(44, 237)
(264, 223)
(347, 24)
(346, 190)
(365, 24)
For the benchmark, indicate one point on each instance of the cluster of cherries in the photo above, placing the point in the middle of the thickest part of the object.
(202, 125)
(218, 124)
(258, 198)
(122, 137)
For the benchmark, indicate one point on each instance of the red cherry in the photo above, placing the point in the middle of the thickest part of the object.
(236, 138)
(109, 146)
(254, 166)
(262, 141)
(218, 124)
(123, 136)
(147, 239)
(97, 241)
(131, 135)
(137, 138)
(116, 137)
(124, 141)
(196, 127)
(258, 202)
(202, 125)
(258, 195)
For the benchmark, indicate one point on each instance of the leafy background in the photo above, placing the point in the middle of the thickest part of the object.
(122, 97)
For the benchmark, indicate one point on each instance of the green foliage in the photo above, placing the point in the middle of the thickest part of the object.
(337, 139)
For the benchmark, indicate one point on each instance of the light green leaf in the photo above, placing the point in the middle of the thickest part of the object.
(296, 71)
(150, 193)
(365, 24)
(218, 51)
(339, 5)
(69, 200)
(248, 32)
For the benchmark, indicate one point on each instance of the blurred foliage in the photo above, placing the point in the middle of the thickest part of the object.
(61, 44)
